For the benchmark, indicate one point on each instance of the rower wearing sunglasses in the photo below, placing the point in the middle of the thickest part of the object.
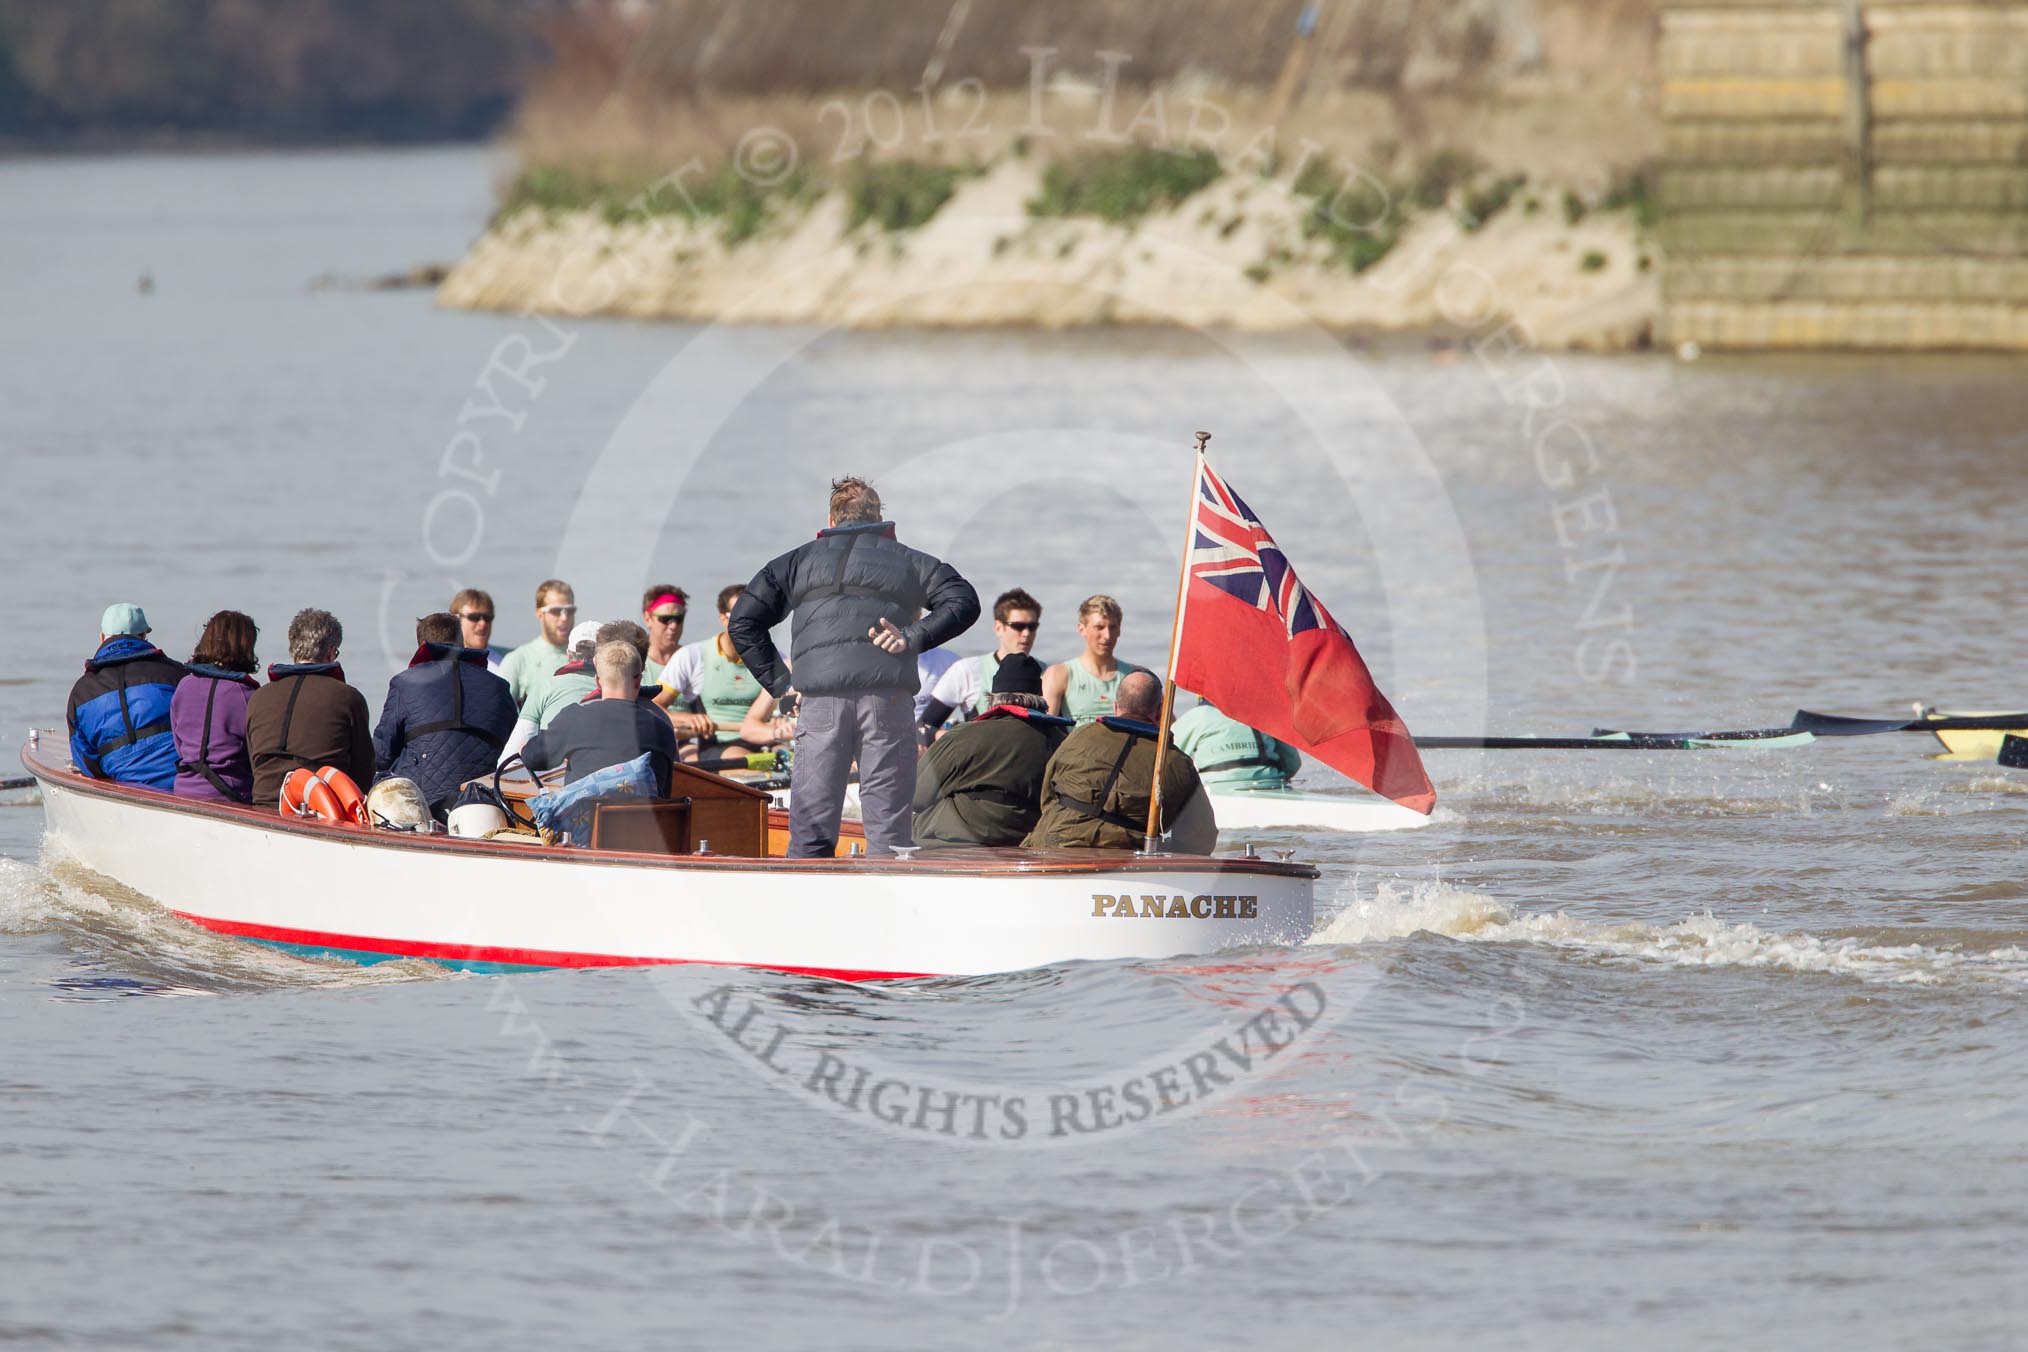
(528, 667)
(966, 688)
(474, 609)
(664, 607)
(711, 696)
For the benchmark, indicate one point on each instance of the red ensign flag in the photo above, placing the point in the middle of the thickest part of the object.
(1258, 645)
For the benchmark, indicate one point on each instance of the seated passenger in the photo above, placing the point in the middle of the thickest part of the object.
(708, 692)
(635, 637)
(446, 718)
(1095, 791)
(119, 709)
(610, 730)
(306, 715)
(209, 712)
(981, 783)
(1227, 752)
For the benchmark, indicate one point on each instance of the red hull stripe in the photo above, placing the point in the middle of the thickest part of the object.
(521, 957)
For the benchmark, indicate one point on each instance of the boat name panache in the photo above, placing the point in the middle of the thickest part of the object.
(1163, 907)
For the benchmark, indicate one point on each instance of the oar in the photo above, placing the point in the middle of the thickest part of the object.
(2014, 752)
(1836, 725)
(1734, 735)
(1771, 738)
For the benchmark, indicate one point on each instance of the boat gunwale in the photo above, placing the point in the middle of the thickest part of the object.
(979, 863)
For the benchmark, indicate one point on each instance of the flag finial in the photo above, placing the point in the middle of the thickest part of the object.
(1202, 437)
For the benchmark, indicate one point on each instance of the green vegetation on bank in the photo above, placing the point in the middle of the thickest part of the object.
(900, 194)
(1348, 216)
(1356, 215)
(1122, 186)
(741, 207)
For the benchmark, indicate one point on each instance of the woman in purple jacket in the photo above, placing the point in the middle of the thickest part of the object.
(207, 713)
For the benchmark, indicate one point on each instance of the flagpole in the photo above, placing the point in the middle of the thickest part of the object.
(1154, 831)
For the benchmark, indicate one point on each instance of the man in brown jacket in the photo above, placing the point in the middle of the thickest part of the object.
(306, 715)
(1095, 791)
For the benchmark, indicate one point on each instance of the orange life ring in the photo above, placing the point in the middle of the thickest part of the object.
(327, 793)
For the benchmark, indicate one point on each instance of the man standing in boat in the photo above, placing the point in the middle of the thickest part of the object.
(864, 605)
(1083, 688)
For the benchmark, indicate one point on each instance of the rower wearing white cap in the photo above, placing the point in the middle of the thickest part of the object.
(568, 684)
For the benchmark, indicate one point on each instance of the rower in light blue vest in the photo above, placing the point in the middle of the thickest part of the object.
(1229, 754)
(1083, 688)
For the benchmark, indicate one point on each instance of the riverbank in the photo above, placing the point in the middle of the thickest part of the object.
(1163, 239)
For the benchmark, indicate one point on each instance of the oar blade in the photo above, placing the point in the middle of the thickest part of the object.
(1837, 725)
(1782, 735)
(2014, 752)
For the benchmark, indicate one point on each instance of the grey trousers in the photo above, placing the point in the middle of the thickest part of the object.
(878, 730)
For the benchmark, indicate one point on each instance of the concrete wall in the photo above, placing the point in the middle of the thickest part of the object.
(1846, 173)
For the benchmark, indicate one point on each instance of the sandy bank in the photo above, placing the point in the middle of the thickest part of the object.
(1233, 255)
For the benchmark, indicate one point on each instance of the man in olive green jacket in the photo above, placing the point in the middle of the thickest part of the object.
(981, 782)
(1095, 791)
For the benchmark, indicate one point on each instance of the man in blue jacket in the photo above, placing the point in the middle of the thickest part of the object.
(446, 717)
(864, 606)
(119, 709)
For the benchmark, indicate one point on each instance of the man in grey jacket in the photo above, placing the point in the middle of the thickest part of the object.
(864, 605)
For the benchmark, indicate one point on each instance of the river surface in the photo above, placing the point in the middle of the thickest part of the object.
(1677, 1048)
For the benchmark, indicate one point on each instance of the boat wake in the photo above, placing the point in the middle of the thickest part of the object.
(130, 945)
(1699, 941)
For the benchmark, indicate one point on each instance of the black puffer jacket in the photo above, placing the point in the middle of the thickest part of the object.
(839, 586)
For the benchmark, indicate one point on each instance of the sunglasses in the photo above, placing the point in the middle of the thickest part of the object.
(674, 617)
(478, 616)
(1023, 626)
(559, 610)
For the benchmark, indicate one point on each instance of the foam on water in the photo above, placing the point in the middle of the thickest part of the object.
(1699, 941)
(115, 925)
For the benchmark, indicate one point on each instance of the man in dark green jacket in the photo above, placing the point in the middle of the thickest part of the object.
(981, 782)
(1095, 792)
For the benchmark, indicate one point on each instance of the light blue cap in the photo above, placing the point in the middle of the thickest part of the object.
(123, 617)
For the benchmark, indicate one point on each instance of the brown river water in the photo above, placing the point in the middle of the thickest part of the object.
(1676, 1047)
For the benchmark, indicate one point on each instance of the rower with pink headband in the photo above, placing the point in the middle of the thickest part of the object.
(663, 608)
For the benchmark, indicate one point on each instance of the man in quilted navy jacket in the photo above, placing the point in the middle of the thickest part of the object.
(446, 717)
(864, 605)
(119, 709)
